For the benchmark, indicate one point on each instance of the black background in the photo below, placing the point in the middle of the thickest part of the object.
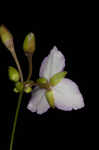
(72, 41)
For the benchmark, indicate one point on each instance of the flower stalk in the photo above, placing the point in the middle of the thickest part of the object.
(18, 65)
(15, 120)
(29, 58)
(7, 40)
(29, 46)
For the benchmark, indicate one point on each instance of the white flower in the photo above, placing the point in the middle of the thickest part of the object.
(66, 93)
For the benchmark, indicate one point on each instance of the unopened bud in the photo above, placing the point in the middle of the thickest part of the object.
(29, 43)
(15, 90)
(7, 38)
(28, 90)
(13, 74)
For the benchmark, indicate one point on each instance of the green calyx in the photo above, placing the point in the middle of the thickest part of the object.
(42, 81)
(29, 43)
(13, 74)
(50, 98)
(57, 78)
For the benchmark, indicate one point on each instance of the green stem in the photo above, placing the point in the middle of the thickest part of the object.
(15, 120)
(29, 58)
(18, 65)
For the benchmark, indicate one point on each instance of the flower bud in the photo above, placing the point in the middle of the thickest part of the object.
(6, 37)
(50, 98)
(42, 81)
(57, 78)
(13, 74)
(19, 86)
(28, 90)
(15, 90)
(29, 43)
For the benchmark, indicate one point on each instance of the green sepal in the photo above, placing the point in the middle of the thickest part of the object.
(28, 90)
(29, 43)
(42, 81)
(13, 74)
(54, 80)
(19, 86)
(50, 98)
(15, 90)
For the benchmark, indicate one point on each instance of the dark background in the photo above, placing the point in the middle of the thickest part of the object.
(72, 41)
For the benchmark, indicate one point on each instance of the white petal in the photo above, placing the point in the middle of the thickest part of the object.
(43, 106)
(38, 103)
(52, 64)
(67, 95)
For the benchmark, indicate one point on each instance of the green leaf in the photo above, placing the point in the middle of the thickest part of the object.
(57, 78)
(50, 98)
(29, 43)
(13, 74)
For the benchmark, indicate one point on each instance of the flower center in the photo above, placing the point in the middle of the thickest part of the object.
(46, 86)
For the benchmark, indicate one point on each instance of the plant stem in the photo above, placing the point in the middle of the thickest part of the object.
(15, 120)
(18, 65)
(29, 58)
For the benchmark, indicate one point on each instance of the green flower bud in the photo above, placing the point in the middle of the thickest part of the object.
(19, 86)
(29, 43)
(57, 78)
(28, 90)
(15, 90)
(13, 74)
(6, 37)
(50, 98)
(42, 81)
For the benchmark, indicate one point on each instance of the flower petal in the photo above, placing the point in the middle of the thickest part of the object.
(43, 106)
(38, 102)
(67, 95)
(52, 64)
